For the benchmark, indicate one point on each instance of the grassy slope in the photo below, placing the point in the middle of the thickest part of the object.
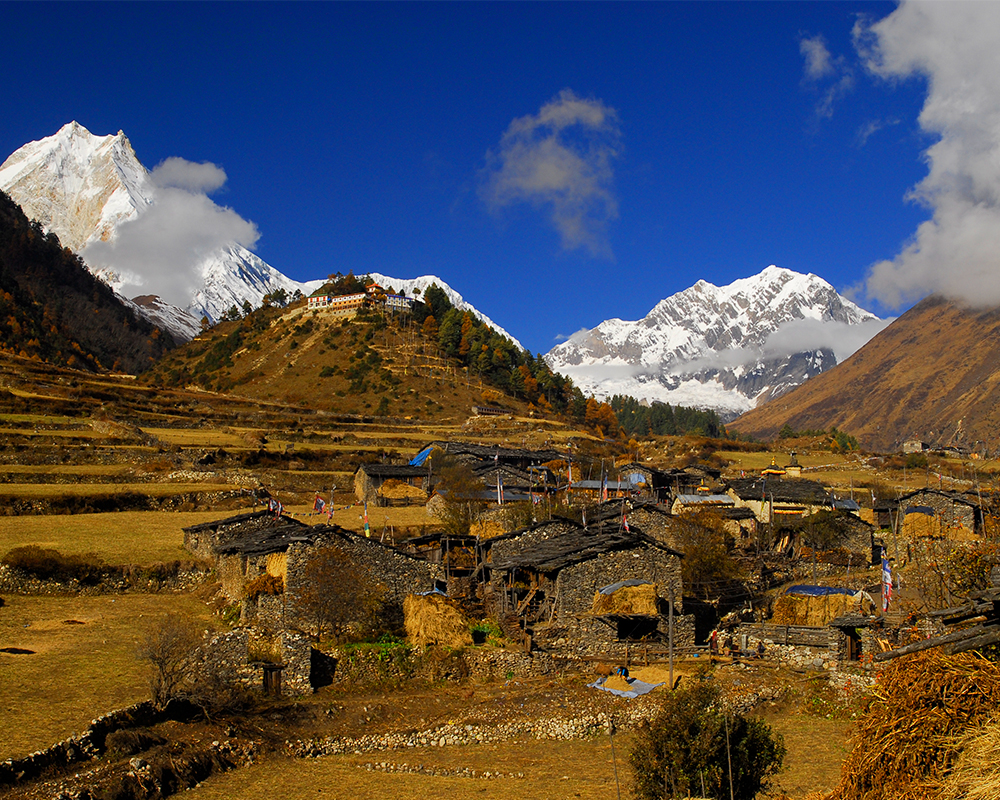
(282, 353)
(77, 672)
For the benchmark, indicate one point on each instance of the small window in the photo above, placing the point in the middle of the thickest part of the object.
(637, 629)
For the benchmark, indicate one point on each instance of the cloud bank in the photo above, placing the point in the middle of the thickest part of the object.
(560, 160)
(161, 251)
(956, 47)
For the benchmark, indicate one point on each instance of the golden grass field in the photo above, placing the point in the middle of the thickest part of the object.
(552, 769)
(78, 671)
(123, 537)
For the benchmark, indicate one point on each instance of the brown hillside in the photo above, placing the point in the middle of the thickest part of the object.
(931, 375)
(368, 365)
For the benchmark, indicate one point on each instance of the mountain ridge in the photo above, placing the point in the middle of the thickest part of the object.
(726, 348)
(932, 375)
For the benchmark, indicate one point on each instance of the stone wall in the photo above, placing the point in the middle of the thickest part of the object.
(588, 638)
(240, 656)
(378, 666)
(576, 585)
(116, 580)
(655, 522)
(397, 573)
(796, 647)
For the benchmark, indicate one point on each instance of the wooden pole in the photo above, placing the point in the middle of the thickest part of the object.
(670, 634)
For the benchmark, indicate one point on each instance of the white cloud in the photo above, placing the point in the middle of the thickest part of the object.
(822, 66)
(560, 160)
(801, 335)
(162, 250)
(819, 62)
(956, 47)
(870, 128)
(183, 174)
(795, 336)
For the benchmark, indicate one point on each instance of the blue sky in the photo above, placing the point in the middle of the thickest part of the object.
(556, 163)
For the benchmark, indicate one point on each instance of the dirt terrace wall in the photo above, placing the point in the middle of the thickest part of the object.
(117, 501)
(82, 747)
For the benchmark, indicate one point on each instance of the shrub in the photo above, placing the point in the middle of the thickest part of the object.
(688, 747)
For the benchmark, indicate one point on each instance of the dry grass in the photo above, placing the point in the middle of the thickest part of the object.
(816, 751)
(124, 537)
(65, 469)
(77, 671)
(431, 619)
(197, 437)
(977, 772)
(552, 769)
(627, 600)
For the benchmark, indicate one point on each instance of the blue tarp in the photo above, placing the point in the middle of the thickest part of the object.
(920, 510)
(636, 687)
(419, 459)
(819, 591)
(614, 587)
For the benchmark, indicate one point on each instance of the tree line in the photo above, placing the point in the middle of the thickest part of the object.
(54, 309)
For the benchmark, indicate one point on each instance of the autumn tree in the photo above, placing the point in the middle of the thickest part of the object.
(461, 493)
(337, 597)
(708, 570)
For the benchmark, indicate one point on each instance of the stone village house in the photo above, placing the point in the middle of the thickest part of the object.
(250, 546)
(542, 580)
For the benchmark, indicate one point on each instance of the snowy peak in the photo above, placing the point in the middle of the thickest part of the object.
(83, 187)
(725, 347)
(77, 184)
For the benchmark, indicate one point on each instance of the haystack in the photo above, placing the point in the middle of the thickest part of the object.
(793, 609)
(976, 775)
(639, 600)
(433, 619)
(394, 489)
(926, 708)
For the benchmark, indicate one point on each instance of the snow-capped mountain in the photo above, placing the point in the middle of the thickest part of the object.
(84, 187)
(726, 348)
